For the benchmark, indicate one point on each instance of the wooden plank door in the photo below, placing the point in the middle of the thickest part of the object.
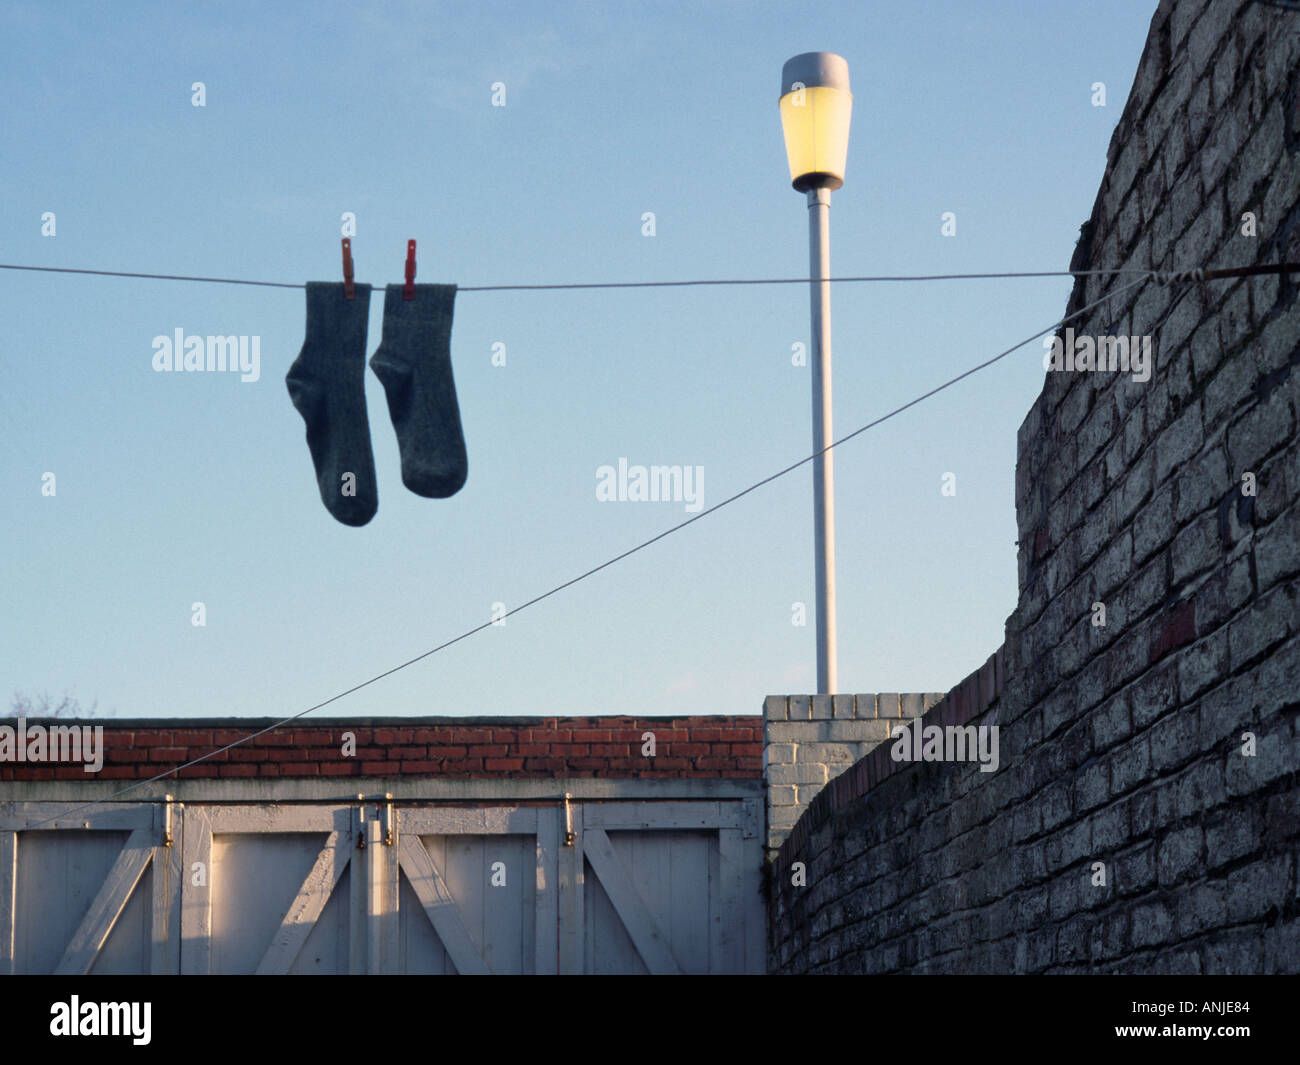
(665, 888)
(478, 890)
(265, 889)
(85, 890)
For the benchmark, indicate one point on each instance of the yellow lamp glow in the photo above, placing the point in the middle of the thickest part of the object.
(816, 106)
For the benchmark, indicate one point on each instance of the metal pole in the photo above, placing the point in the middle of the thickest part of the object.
(819, 243)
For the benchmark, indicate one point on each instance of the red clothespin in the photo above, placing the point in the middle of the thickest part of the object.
(349, 290)
(408, 292)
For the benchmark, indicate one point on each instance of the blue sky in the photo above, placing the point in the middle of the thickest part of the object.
(181, 488)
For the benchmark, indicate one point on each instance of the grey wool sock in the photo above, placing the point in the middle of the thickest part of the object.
(414, 363)
(327, 383)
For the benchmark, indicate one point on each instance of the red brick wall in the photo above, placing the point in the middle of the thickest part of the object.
(704, 747)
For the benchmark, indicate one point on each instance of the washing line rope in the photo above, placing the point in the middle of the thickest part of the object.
(1161, 277)
(604, 565)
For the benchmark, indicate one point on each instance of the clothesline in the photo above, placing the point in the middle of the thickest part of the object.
(1161, 276)
(604, 565)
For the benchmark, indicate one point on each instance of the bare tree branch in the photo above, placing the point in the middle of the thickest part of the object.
(43, 705)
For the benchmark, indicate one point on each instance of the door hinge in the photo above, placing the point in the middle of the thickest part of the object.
(388, 820)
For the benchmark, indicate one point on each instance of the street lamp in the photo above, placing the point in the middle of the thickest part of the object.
(815, 109)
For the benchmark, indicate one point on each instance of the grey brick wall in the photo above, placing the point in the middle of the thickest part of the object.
(1128, 828)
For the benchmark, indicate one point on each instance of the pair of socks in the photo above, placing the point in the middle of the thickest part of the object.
(327, 385)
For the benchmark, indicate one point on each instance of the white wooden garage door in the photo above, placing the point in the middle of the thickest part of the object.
(595, 887)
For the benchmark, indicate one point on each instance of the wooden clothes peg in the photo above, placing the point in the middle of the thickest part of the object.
(349, 289)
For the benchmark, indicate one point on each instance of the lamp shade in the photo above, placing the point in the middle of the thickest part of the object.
(816, 106)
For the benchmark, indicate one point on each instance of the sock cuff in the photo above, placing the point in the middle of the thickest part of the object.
(432, 306)
(334, 322)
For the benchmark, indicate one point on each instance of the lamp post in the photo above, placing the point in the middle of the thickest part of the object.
(815, 109)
